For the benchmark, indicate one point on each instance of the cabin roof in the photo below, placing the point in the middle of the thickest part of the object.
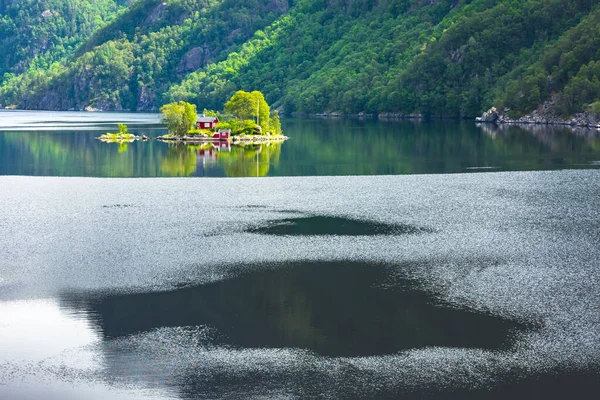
(204, 118)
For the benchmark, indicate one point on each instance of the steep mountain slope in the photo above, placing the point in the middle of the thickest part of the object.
(434, 57)
(130, 62)
(47, 30)
(36, 36)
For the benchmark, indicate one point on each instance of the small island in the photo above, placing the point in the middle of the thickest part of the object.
(246, 119)
(123, 136)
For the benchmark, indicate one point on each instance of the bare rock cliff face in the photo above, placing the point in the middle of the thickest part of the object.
(156, 14)
(195, 58)
(145, 99)
(279, 6)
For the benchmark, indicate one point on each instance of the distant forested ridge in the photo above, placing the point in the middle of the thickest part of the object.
(429, 57)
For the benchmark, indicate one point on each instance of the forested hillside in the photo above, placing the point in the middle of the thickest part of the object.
(38, 38)
(432, 57)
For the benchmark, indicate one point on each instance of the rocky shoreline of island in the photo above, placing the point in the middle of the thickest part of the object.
(123, 136)
(541, 117)
(241, 139)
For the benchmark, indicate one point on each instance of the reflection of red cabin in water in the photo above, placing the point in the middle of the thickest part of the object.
(222, 146)
(209, 155)
(204, 122)
(222, 134)
(215, 147)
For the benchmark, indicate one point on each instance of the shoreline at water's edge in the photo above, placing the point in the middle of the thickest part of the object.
(247, 139)
(582, 120)
(258, 139)
(526, 120)
(492, 116)
(542, 122)
(383, 116)
(121, 137)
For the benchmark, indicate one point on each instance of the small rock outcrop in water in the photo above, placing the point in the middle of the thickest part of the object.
(542, 116)
(490, 115)
(121, 137)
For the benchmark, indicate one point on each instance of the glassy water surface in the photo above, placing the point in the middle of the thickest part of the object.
(64, 144)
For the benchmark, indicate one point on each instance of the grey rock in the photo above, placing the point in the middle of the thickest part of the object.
(146, 98)
(194, 59)
(278, 6)
(490, 115)
(155, 14)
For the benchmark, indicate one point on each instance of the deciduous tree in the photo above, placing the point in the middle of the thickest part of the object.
(180, 117)
(244, 106)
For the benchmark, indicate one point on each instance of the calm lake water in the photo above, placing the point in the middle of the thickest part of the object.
(64, 144)
(404, 282)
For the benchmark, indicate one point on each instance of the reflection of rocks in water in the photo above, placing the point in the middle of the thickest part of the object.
(489, 129)
(332, 308)
(538, 130)
(328, 225)
(552, 136)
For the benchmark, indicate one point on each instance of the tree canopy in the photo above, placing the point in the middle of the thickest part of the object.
(244, 105)
(180, 117)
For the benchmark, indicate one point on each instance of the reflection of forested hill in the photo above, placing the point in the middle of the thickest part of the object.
(317, 147)
(74, 154)
(287, 307)
(80, 154)
(351, 147)
(445, 57)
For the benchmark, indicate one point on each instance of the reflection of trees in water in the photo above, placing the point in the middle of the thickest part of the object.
(354, 147)
(286, 307)
(68, 153)
(337, 147)
(251, 160)
(237, 161)
(180, 160)
(76, 153)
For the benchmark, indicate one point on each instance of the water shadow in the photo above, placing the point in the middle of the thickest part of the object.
(329, 225)
(335, 309)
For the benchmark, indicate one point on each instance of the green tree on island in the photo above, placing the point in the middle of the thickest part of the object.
(250, 106)
(180, 117)
(248, 114)
(276, 123)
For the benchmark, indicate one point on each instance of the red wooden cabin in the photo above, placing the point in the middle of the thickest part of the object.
(222, 134)
(204, 122)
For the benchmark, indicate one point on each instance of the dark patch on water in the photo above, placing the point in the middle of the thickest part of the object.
(257, 207)
(579, 383)
(330, 225)
(517, 384)
(335, 309)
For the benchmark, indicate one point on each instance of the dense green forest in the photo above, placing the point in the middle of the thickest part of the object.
(431, 57)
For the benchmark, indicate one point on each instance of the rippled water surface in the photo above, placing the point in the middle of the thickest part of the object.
(439, 286)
